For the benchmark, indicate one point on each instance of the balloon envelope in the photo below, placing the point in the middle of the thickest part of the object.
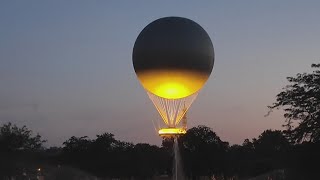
(173, 57)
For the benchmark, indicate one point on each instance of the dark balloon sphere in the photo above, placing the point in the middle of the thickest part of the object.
(173, 57)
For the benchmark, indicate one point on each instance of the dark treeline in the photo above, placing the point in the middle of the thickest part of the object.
(203, 154)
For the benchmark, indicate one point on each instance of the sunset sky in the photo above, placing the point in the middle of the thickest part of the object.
(66, 66)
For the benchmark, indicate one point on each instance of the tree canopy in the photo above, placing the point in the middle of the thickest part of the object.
(301, 102)
(13, 138)
(203, 152)
(270, 142)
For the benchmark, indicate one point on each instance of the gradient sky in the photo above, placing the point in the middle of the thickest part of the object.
(66, 66)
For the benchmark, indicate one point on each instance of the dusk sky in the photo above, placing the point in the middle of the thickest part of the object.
(66, 66)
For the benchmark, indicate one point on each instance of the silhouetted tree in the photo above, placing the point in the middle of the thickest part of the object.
(263, 154)
(271, 142)
(107, 157)
(247, 146)
(240, 159)
(77, 144)
(301, 103)
(270, 151)
(204, 152)
(17, 145)
(14, 138)
(105, 142)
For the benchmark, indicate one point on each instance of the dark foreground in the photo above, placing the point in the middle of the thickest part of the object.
(203, 155)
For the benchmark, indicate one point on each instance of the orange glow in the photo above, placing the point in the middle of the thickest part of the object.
(172, 84)
(171, 131)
